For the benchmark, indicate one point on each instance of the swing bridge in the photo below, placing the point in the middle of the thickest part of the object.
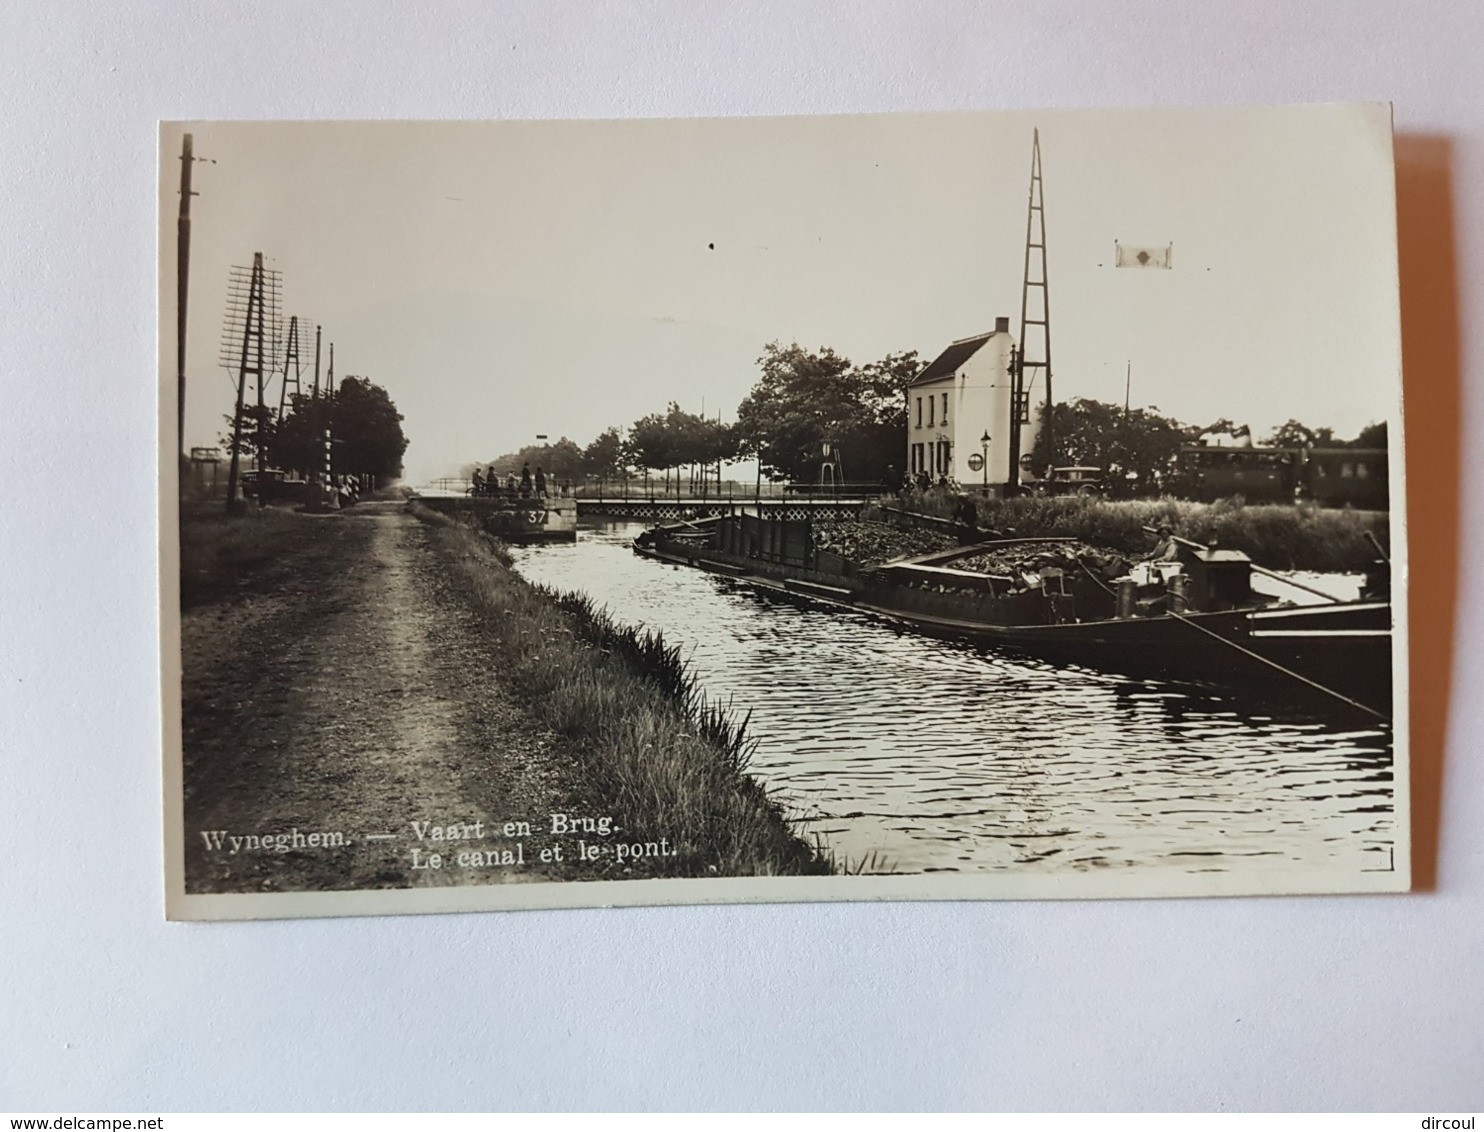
(824, 502)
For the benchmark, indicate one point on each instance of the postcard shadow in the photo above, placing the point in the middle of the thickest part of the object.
(1430, 392)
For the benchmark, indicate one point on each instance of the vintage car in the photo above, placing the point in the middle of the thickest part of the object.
(1076, 480)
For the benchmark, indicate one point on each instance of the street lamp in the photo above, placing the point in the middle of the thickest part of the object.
(984, 455)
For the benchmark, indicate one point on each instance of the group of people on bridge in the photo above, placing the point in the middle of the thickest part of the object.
(527, 486)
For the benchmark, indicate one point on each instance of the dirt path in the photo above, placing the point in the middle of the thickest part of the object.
(350, 702)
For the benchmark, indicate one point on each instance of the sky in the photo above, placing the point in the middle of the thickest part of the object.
(504, 280)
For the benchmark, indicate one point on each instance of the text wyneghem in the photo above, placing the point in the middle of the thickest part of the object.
(439, 844)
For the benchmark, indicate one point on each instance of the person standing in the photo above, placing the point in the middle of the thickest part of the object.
(966, 520)
(525, 480)
(540, 483)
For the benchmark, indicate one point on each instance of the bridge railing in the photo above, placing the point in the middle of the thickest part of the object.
(658, 491)
(728, 491)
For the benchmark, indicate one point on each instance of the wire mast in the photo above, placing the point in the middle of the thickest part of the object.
(250, 340)
(246, 303)
(292, 369)
(1035, 346)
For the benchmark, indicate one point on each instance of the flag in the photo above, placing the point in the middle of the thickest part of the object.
(1126, 255)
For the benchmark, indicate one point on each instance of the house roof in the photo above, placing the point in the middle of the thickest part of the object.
(946, 364)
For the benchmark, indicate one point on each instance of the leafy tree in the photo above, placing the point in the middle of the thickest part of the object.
(654, 444)
(606, 455)
(559, 462)
(803, 399)
(299, 441)
(885, 392)
(1372, 436)
(1295, 434)
(369, 428)
(362, 419)
(259, 433)
(1103, 435)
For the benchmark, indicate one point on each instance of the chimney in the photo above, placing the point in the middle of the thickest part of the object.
(1002, 325)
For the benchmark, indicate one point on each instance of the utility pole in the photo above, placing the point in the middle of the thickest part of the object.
(249, 361)
(182, 285)
(290, 359)
(268, 303)
(316, 362)
(1020, 387)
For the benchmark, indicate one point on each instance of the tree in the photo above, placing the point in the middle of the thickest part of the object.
(366, 423)
(299, 441)
(1372, 436)
(654, 444)
(803, 399)
(605, 456)
(259, 434)
(1295, 434)
(561, 462)
(1103, 435)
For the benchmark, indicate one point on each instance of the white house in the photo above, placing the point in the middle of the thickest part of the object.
(961, 395)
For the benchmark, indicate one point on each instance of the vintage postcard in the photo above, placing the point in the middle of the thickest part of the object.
(958, 506)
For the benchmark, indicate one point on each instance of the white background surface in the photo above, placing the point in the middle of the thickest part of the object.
(1341, 1003)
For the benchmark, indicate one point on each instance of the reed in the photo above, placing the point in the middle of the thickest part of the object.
(648, 745)
(1292, 537)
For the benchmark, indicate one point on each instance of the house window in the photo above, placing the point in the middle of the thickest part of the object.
(930, 410)
(945, 408)
(917, 458)
(919, 412)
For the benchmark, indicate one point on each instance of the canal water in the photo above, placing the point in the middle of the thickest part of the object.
(907, 754)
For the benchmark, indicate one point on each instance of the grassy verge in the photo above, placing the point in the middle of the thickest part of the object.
(217, 550)
(1278, 537)
(656, 755)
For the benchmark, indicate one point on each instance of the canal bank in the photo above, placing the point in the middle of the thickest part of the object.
(637, 730)
(354, 706)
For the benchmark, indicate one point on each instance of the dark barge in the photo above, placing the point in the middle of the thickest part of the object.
(1195, 620)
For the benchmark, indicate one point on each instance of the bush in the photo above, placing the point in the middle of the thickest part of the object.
(1303, 537)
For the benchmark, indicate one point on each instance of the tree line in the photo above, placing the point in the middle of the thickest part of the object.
(802, 399)
(1142, 446)
(805, 398)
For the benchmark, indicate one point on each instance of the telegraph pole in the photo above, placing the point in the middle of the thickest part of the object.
(249, 361)
(291, 368)
(316, 362)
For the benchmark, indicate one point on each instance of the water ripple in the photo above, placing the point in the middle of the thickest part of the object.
(940, 756)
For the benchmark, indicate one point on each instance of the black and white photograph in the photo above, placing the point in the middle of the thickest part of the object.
(992, 505)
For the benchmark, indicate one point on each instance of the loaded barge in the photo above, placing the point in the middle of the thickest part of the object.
(1195, 618)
